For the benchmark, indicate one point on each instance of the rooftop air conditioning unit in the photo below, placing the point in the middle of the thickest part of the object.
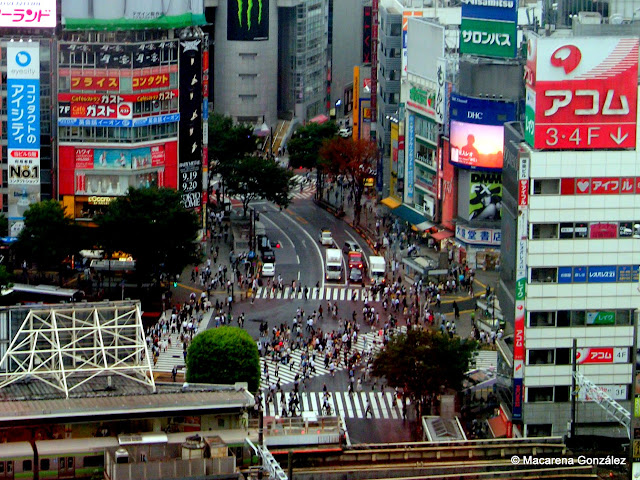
(589, 18)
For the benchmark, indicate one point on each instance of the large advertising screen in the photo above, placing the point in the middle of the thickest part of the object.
(485, 199)
(582, 93)
(126, 15)
(247, 20)
(477, 131)
(23, 130)
(31, 14)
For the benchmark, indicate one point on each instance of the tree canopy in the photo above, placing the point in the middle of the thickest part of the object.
(48, 236)
(423, 361)
(251, 178)
(224, 355)
(305, 143)
(228, 141)
(356, 160)
(151, 225)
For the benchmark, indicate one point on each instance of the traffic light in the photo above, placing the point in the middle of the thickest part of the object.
(277, 244)
(175, 284)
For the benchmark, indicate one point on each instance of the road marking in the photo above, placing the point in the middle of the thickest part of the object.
(389, 397)
(342, 292)
(298, 258)
(280, 230)
(321, 295)
(314, 404)
(324, 273)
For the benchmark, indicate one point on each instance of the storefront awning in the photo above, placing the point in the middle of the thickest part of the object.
(319, 119)
(424, 226)
(498, 427)
(409, 214)
(442, 234)
(391, 202)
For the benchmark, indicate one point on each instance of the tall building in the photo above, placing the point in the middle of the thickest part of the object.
(569, 269)
(389, 72)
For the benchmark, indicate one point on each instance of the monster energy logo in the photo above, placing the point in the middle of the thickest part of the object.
(249, 11)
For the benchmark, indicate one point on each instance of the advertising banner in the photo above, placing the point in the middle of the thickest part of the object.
(477, 131)
(485, 199)
(366, 35)
(424, 101)
(23, 130)
(146, 82)
(116, 99)
(449, 194)
(602, 274)
(602, 355)
(615, 392)
(121, 111)
(100, 83)
(137, 14)
(585, 93)
(505, 10)
(441, 94)
(488, 38)
(247, 21)
(190, 127)
(601, 318)
(31, 14)
(108, 122)
(518, 398)
(410, 159)
(122, 56)
(118, 159)
(479, 236)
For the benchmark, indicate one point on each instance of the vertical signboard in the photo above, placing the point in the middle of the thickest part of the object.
(247, 21)
(410, 160)
(366, 35)
(190, 127)
(23, 135)
(522, 227)
(582, 93)
(205, 129)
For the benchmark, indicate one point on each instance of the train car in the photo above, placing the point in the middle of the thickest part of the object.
(16, 460)
(72, 458)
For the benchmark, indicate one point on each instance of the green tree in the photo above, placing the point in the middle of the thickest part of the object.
(5, 278)
(48, 236)
(424, 361)
(224, 355)
(4, 226)
(251, 178)
(152, 226)
(356, 160)
(305, 143)
(228, 141)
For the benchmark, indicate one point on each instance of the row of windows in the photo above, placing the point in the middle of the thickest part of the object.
(119, 134)
(557, 356)
(64, 463)
(572, 230)
(580, 318)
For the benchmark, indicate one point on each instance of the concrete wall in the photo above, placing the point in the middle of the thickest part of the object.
(255, 93)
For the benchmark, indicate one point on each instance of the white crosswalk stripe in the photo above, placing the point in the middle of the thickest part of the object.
(308, 187)
(351, 293)
(383, 405)
(172, 357)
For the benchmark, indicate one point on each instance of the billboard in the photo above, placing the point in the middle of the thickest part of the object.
(115, 122)
(448, 193)
(190, 126)
(585, 356)
(405, 27)
(120, 15)
(488, 38)
(123, 110)
(119, 159)
(23, 130)
(410, 160)
(116, 99)
(477, 131)
(247, 21)
(366, 35)
(119, 55)
(504, 10)
(485, 198)
(37, 14)
(581, 93)
(423, 62)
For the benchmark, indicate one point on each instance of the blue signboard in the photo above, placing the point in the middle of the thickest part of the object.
(410, 140)
(579, 274)
(505, 10)
(112, 122)
(565, 274)
(480, 111)
(602, 274)
(624, 273)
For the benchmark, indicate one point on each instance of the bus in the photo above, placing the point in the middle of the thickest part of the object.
(26, 294)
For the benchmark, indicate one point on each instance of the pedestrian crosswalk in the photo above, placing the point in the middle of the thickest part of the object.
(384, 405)
(351, 293)
(286, 373)
(303, 188)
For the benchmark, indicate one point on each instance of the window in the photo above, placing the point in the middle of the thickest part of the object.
(541, 357)
(563, 318)
(27, 465)
(541, 430)
(578, 318)
(563, 356)
(544, 230)
(544, 275)
(566, 230)
(623, 317)
(561, 393)
(1, 468)
(540, 394)
(93, 461)
(542, 319)
(62, 463)
(546, 187)
(9, 467)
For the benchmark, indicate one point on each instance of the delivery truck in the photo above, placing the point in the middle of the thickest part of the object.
(333, 264)
(377, 269)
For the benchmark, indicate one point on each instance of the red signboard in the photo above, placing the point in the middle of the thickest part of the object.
(594, 355)
(108, 99)
(583, 185)
(567, 186)
(601, 186)
(84, 158)
(91, 110)
(518, 340)
(523, 193)
(157, 155)
(104, 84)
(603, 230)
(585, 93)
(145, 82)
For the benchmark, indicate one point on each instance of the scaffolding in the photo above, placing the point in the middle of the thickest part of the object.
(67, 346)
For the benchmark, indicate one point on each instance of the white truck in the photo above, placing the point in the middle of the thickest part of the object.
(333, 264)
(377, 269)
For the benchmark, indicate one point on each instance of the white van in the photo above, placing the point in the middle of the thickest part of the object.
(333, 264)
(377, 269)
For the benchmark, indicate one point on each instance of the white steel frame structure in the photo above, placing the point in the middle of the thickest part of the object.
(66, 346)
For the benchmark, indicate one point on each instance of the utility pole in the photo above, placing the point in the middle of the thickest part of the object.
(574, 393)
